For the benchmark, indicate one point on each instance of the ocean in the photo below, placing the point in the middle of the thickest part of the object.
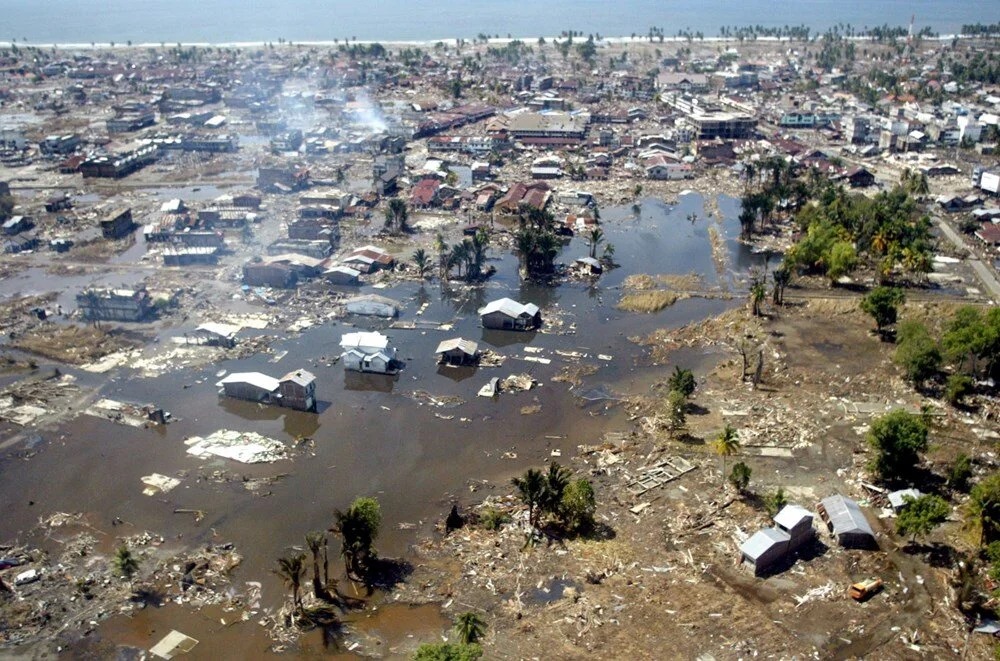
(237, 21)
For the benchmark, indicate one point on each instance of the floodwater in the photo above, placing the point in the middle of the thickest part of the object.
(370, 437)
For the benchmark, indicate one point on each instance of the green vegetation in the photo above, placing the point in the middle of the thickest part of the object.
(676, 411)
(682, 380)
(897, 438)
(774, 502)
(882, 303)
(570, 504)
(726, 444)
(396, 216)
(886, 232)
(358, 527)
(920, 516)
(448, 652)
(960, 472)
(493, 518)
(983, 509)
(292, 569)
(125, 563)
(739, 477)
(916, 352)
(470, 627)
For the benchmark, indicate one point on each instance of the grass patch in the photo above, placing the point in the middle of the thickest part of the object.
(648, 301)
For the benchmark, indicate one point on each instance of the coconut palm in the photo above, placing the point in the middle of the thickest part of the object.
(556, 480)
(596, 237)
(470, 627)
(531, 490)
(422, 262)
(396, 215)
(315, 540)
(726, 444)
(292, 569)
(524, 244)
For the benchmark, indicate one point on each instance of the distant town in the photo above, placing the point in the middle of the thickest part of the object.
(560, 347)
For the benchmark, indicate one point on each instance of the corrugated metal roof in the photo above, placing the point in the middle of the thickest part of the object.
(509, 307)
(362, 340)
(791, 516)
(263, 381)
(846, 516)
(467, 346)
(301, 377)
(762, 541)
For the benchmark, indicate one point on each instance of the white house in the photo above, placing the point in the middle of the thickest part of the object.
(368, 352)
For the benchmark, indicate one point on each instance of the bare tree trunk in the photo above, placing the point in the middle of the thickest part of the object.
(760, 368)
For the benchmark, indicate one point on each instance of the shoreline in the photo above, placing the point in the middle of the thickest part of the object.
(500, 41)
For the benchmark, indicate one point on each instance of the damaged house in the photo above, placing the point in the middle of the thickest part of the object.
(115, 304)
(508, 314)
(296, 390)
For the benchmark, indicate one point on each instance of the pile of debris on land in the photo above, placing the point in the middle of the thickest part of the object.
(47, 595)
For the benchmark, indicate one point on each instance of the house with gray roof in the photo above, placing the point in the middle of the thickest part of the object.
(846, 522)
(765, 550)
(798, 523)
(508, 314)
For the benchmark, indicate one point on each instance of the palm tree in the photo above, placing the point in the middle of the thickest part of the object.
(726, 444)
(470, 627)
(422, 262)
(396, 215)
(125, 563)
(556, 480)
(358, 526)
(459, 255)
(291, 569)
(596, 237)
(531, 490)
(547, 248)
(316, 540)
(524, 244)
(442, 249)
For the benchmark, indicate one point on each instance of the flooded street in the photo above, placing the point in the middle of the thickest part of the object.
(373, 435)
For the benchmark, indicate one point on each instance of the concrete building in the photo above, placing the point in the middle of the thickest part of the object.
(118, 225)
(115, 304)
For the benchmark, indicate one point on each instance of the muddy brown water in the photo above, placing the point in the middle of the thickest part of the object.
(369, 437)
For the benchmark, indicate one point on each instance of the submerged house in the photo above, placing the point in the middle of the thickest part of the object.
(115, 304)
(298, 390)
(295, 390)
(251, 386)
(372, 305)
(458, 352)
(508, 314)
(214, 334)
(368, 352)
(847, 522)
